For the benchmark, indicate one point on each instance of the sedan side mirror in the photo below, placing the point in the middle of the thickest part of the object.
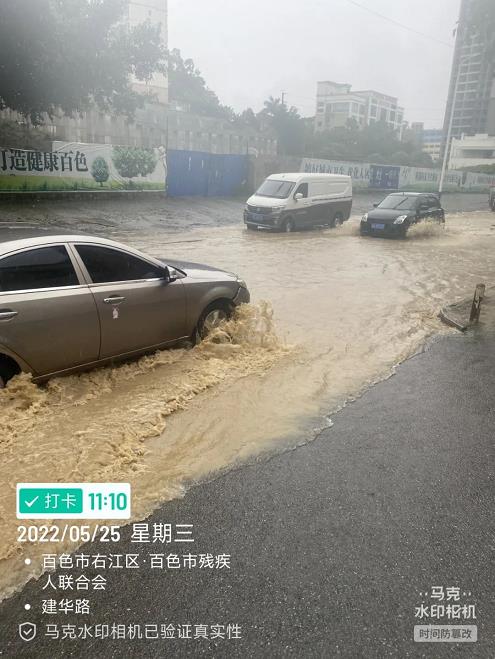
(170, 274)
(375, 205)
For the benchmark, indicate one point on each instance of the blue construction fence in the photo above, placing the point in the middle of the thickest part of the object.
(197, 173)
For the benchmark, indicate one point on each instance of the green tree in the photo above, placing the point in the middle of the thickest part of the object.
(286, 123)
(72, 54)
(249, 118)
(99, 170)
(22, 136)
(131, 161)
(377, 143)
(187, 86)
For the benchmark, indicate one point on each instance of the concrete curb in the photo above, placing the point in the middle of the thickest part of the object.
(78, 195)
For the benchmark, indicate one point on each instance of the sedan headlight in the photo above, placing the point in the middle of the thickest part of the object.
(241, 282)
(400, 219)
(364, 218)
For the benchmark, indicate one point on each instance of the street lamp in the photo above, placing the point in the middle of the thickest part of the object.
(446, 153)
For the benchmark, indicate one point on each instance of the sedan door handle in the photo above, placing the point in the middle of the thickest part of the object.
(7, 314)
(116, 299)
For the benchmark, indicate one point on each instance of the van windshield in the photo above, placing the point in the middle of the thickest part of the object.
(276, 189)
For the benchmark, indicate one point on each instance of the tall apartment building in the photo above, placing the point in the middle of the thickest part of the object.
(473, 74)
(336, 103)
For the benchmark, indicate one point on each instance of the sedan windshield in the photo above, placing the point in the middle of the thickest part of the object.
(398, 202)
(276, 189)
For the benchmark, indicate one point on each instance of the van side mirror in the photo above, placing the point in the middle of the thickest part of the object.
(298, 195)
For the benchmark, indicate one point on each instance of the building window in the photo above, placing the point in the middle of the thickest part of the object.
(340, 107)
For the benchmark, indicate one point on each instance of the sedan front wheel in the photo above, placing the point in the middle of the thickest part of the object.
(211, 318)
(7, 371)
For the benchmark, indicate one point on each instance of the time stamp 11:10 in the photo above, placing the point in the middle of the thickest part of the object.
(73, 501)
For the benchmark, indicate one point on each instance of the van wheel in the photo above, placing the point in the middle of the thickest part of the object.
(337, 221)
(288, 226)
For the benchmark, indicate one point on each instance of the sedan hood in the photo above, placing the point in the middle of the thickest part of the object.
(198, 270)
(387, 215)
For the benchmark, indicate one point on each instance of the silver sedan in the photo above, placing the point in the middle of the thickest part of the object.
(69, 302)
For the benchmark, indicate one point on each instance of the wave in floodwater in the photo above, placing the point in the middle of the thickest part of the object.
(94, 426)
(347, 310)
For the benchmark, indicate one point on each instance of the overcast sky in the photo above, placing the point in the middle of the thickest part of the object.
(250, 49)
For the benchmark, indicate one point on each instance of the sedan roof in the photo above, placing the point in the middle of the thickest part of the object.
(13, 237)
(411, 194)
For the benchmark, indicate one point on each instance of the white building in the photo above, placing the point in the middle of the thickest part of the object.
(154, 11)
(432, 143)
(336, 103)
(472, 150)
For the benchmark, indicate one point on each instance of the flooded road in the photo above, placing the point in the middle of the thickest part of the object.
(332, 313)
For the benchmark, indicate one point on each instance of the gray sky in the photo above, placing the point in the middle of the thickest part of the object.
(250, 49)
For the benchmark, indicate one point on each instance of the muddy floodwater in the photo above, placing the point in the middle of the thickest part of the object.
(332, 312)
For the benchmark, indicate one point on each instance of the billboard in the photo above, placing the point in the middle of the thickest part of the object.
(384, 177)
(71, 166)
(392, 177)
(360, 172)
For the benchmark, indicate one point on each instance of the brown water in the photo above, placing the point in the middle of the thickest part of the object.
(346, 310)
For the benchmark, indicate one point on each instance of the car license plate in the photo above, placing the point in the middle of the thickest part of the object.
(378, 226)
(257, 216)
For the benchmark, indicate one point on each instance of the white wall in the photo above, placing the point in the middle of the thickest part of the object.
(410, 178)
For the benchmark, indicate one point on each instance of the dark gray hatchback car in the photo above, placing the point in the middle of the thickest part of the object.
(396, 213)
(69, 302)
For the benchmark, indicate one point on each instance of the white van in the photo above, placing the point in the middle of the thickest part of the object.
(286, 202)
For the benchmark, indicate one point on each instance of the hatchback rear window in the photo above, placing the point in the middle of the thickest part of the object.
(398, 202)
(43, 267)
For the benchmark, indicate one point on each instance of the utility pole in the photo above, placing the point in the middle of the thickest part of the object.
(283, 98)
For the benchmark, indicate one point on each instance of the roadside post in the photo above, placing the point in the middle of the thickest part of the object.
(479, 294)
